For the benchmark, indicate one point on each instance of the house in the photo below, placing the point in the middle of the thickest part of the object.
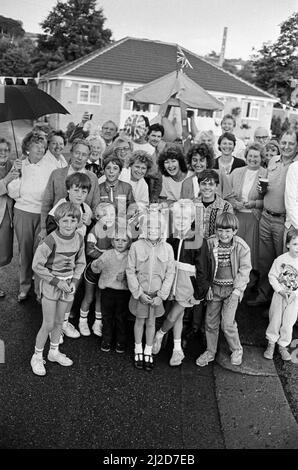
(99, 81)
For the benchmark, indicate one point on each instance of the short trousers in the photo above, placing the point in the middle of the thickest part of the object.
(90, 276)
(53, 293)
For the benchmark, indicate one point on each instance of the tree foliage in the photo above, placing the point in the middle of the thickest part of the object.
(10, 27)
(276, 63)
(15, 59)
(72, 29)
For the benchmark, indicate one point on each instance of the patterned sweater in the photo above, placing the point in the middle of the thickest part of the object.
(59, 257)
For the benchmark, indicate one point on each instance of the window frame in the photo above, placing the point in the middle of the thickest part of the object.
(89, 85)
(249, 106)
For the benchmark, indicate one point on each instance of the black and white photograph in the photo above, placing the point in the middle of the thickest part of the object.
(149, 230)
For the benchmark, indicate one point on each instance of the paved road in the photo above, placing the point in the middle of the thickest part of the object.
(101, 402)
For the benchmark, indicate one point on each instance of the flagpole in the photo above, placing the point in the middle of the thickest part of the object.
(14, 138)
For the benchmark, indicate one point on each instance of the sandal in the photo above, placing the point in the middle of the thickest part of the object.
(148, 362)
(139, 360)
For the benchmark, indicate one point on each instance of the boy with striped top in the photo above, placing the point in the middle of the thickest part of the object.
(59, 261)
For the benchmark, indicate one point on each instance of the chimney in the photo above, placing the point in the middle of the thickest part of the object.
(223, 47)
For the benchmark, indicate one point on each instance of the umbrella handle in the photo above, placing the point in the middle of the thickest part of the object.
(14, 138)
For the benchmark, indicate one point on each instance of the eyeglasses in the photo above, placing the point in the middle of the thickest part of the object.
(261, 137)
(122, 150)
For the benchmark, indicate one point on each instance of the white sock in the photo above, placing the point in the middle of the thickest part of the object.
(83, 314)
(160, 334)
(38, 352)
(98, 320)
(177, 345)
(138, 348)
(98, 315)
(66, 316)
(83, 319)
(54, 348)
(148, 350)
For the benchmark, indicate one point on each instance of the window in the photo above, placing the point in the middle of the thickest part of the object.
(89, 94)
(250, 110)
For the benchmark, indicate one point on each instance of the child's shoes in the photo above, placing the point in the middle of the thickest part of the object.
(236, 357)
(70, 331)
(97, 327)
(148, 362)
(157, 344)
(268, 354)
(138, 361)
(105, 346)
(37, 364)
(120, 348)
(177, 358)
(57, 356)
(285, 355)
(84, 328)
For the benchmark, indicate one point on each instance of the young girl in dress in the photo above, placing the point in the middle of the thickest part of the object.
(150, 273)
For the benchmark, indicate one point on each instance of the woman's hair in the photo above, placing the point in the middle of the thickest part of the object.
(142, 157)
(204, 150)
(172, 152)
(207, 175)
(273, 143)
(227, 135)
(208, 134)
(115, 145)
(255, 146)
(114, 159)
(4, 141)
(80, 142)
(226, 220)
(67, 209)
(292, 233)
(97, 140)
(80, 180)
(58, 134)
(30, 138)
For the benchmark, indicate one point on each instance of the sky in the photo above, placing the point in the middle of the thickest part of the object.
(196, 25)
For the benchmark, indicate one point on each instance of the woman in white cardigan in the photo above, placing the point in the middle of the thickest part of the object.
(248, 202)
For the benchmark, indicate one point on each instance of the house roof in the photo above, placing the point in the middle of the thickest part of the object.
(142, 60)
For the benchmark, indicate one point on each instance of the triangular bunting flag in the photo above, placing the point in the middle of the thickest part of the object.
(36, 80)
(14, 80)
(2, 80)
(25, 79)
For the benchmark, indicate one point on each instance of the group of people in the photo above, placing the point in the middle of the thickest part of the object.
(154, 228)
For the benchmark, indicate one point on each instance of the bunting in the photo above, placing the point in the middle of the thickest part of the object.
(14, 79)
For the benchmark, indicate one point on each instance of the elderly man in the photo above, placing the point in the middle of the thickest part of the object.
(291, 192)
(271, 228)
(261, 136)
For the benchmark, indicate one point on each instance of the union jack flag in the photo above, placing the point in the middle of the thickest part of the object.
(181, 59)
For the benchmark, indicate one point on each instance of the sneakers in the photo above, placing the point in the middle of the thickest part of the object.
(204, 359)
(37, 364)
(285, 355)
(84, 328)
(70, 331)
(177, 358)
(268, 354)
(120, 348)
(156, 344)
(97, 327)
(57, 356)
(105, 346)
(236, 357)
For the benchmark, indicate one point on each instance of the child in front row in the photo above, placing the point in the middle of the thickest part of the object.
(150, 273)
(98, 241)
(231, 265)
(59, 261)
(192, 279)
(283, 276)
(111, 266)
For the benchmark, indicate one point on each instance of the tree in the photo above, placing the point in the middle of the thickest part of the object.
(11, 28)
(74, 28)
(276, 63)
(15, 59)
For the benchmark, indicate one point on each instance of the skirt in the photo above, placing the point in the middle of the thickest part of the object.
(6, 237)
(140, 310)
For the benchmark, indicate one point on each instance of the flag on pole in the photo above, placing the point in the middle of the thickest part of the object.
(181, 59)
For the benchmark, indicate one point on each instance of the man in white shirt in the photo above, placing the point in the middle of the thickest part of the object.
(291, 190)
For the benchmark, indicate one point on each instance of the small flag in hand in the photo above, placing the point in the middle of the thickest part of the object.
(181, 59)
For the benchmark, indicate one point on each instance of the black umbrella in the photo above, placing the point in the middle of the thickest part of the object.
(26, 102)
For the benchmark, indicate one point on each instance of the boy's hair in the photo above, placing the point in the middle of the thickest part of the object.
(67, 209)
(156, 128)
(293, 233)
(80, 180)
(114, 159)
(100, 209)
(227, 220)
(207, 175)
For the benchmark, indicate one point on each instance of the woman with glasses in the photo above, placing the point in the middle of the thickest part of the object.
(8, 172)
(28, 192)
